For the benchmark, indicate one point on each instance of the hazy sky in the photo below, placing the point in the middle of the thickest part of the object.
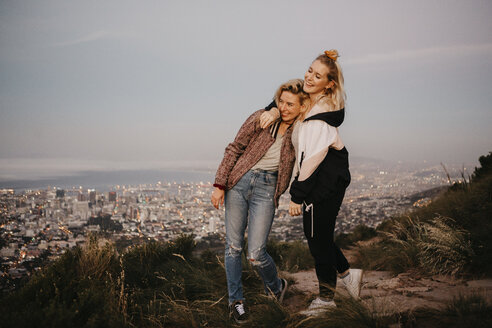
(142, 83)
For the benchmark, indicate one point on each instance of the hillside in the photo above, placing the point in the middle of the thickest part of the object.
(428, 268)
(451, 235)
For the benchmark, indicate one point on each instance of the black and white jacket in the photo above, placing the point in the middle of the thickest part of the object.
(321, 157)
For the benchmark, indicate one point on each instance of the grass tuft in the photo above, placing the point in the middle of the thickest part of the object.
(290, 256)
(444, 248)
(348, 313)
(452, 235)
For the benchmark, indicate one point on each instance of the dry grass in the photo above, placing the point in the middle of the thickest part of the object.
(290, 256)
(94, 260)
(444, 247)
(348, 313)
(463, 311)
(438, 246)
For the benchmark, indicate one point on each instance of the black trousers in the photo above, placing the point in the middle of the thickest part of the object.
(319, 227)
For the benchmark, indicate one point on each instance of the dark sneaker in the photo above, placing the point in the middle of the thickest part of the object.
(281, 294)
(238, 312)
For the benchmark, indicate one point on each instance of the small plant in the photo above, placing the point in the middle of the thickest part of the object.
(466, 305)
(95, 261)
(463, 311)
(291, 257)
(360, 233)
(444, 248)
(438, 246)
(348, 313)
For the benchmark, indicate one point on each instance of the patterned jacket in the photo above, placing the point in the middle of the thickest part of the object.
(249, 146)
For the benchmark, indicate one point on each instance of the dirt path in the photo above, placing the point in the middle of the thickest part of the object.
(386, 293)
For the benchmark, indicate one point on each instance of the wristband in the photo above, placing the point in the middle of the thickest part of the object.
(221, 187)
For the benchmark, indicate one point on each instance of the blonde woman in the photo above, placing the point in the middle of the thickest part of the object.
(322, 175)
(255, 171)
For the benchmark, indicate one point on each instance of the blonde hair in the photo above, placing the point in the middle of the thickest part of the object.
(335, 96)
(294, 86)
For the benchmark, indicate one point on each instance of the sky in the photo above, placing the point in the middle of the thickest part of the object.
(155, 84)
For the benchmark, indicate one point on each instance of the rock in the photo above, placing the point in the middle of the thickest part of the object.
(407, 290)
(389, 284)
(450, 280)
(385, 294)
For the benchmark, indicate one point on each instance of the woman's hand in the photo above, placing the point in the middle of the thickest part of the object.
(295, 209)
(217, 197)
(268, 117)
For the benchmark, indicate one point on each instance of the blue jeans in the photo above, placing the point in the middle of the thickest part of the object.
(250, 203)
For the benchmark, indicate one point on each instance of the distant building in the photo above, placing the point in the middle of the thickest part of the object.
(92, 196)
(60, 193)
(112, 196)
(81, 209)
(7, 252)
(81, 197)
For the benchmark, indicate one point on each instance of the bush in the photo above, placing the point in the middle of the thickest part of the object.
(291, 257)
(436, 247)
(76, 290)
(360, 233)
(444, 248)
(463, 311)
(348, 313)
(452, 235)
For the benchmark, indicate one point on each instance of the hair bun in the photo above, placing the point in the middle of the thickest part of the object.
(332, 54)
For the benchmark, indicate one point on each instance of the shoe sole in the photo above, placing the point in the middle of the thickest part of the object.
(284, 290)
(317, 312)
(360, 283)
(237, 321)
(240, 322)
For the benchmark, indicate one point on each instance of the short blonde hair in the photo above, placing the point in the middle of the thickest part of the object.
(294, 86)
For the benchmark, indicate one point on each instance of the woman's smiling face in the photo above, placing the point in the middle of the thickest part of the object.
(316, 79)
(289, 106)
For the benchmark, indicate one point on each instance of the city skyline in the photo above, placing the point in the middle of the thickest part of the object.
(115, 86)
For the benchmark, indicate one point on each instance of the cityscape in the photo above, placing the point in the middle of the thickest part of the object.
(37, 226)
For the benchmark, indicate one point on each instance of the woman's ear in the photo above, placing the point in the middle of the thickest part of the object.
(330, 85)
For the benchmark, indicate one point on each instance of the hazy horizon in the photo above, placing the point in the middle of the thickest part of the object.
(20, 170)
(158, 84)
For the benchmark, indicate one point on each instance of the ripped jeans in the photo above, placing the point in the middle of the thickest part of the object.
(250, 203)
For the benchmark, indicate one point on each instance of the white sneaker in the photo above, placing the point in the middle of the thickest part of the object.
(353, 282)
(317, 307)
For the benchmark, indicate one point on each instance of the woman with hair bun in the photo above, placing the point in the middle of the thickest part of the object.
(322, 176)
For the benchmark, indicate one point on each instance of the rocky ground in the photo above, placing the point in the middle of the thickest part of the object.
(386, 293)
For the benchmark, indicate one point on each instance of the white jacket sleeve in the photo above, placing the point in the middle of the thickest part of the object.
(315, 138)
